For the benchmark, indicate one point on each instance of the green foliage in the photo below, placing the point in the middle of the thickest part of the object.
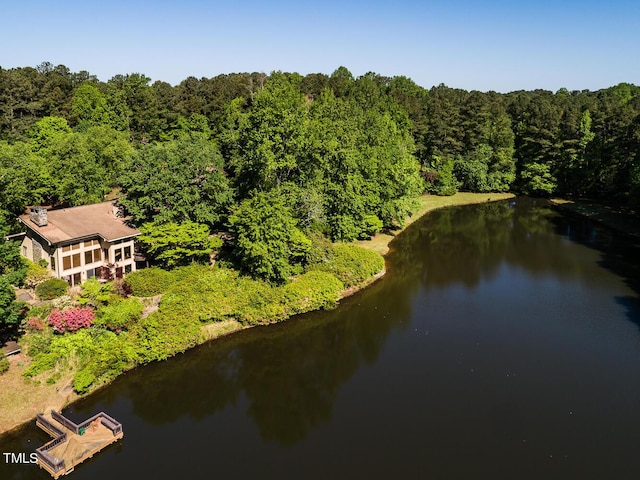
(52, 288)
(95, 293)
(352, 264)
(24, 178)
(439, 177)
(63, 349)
(321, 250)
(313, 290)
(537, 179)
(119, 315)
(83, 380)
(89, 106)
(173, 244)
(180, 181)
(149, 282)
(4, 365)
(268, 242)
(13, 267)
(11, 311)
(114, 355)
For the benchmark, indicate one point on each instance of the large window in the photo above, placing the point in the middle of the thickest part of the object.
(71, 261)
(92, 256)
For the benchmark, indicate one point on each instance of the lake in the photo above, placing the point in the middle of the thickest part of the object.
(503, 343)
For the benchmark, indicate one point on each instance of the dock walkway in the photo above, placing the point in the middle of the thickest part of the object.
(73, 444)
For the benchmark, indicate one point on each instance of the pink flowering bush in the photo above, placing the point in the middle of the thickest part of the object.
(71, 319)
(35, 324)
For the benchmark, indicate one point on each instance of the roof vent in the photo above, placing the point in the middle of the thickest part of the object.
(38, 215)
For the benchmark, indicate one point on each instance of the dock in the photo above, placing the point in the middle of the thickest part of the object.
(72, 444)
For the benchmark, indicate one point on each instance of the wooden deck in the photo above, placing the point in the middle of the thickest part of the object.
(73, 444)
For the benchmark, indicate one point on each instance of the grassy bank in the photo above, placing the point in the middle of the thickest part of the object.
(198, 304)
(380, 242)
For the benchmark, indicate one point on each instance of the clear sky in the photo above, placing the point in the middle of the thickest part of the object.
(500, 45)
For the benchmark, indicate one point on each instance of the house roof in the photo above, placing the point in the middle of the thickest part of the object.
(67, 224)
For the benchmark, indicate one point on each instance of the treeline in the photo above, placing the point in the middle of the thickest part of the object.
(328, 154)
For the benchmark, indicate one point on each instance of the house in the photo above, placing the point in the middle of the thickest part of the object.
(81, 242)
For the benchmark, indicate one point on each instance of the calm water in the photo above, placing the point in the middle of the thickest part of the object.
(504, 343)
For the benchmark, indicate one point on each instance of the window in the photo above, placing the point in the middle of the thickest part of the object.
(68, 248)
(91, 243)
(92, 256)
(71, 261)
(91, 273)
(122, 253)
(24, 250)
(127, 268)
(53, 263)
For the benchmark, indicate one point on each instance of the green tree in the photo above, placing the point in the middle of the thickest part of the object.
(11, 311)
(266, 142)
(24, 178)
(89, 106)
(172, 244)
(178, 181)
(268, 243)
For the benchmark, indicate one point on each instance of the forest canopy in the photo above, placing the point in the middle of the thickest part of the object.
(324, 156)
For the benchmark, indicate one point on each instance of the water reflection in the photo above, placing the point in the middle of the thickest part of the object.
(290, 373)
(420, 367)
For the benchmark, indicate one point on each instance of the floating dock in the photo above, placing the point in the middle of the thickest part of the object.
(72, 444)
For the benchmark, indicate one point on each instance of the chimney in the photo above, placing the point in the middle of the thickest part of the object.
(38, 215)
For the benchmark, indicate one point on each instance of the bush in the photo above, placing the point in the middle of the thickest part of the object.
(71, 319)
(119, 315)
(36, 274)
(52, 288)
(352, 264)
(95, 293)
(48, 350)
(35, 324)
(149, 282)
(4, 365)
(312, 291)
(83, 380)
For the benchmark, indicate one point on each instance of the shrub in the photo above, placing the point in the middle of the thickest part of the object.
(36, 274)
(71, 319)
(149, 282)
(83, 380)
(311, 291)
(35, 324)
(52, 288)
(120, 315)
(352, 264)
(4, 365)
(94, 293)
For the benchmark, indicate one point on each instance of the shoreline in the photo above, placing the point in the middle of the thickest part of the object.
(34, 399)
(620, 219)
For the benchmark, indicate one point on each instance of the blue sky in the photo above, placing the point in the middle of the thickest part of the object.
(500, 45)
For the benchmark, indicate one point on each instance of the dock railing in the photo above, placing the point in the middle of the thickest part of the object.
(106, 420)
(55, 464)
